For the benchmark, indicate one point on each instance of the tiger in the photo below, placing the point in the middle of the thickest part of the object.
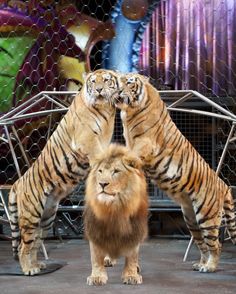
(175, 166)
(84, 131)
(116, 212)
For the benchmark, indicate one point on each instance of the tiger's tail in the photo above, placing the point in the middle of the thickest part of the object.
(230, 214)
(15, 231)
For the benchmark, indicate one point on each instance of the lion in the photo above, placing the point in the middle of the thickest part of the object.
(116, 210)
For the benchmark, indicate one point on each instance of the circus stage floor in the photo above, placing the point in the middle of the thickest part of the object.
(163, 271)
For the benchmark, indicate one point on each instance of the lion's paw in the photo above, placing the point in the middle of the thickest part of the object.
(109, 262)
(132, 280)
(139, 268)
(97, 280)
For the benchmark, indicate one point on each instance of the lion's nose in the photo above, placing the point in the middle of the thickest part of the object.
(103, 185)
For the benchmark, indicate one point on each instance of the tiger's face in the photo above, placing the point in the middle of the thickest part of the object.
(132, 91)
(100, 86)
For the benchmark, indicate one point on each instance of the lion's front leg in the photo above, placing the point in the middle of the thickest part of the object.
(98, 276)
(130, 273)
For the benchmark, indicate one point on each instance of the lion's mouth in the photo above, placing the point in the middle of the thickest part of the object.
(106, 197)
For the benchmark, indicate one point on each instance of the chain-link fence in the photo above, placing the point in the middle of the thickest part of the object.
(48, 45)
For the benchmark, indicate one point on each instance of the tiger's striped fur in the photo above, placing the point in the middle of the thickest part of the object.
(175, 166)
(83, 132)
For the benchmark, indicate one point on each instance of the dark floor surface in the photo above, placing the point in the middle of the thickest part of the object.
(163, 271)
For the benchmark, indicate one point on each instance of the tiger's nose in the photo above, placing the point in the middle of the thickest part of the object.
(103, 185)
(99, 90)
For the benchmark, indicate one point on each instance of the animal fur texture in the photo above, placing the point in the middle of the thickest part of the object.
(175, 166)
(84, 131)
(115, 216)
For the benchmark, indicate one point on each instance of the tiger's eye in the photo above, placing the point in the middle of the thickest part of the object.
(93, 79)
(107, 76)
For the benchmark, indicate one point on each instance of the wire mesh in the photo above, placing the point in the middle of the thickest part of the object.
(48, 45)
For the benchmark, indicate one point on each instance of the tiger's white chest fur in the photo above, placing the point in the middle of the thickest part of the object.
(172, 170)
(167, 170)
(123, 116)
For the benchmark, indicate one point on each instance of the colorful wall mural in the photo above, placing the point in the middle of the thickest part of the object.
(58, 40)
(12, 53)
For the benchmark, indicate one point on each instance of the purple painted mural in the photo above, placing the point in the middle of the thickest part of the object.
(191, 44)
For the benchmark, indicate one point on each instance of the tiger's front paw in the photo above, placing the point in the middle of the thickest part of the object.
(206, 268)
(34, 270)
(97, 280)
(132, 280)
(197, 266)
(40, 264)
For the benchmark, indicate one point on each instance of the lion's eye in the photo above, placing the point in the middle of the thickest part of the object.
(100, 171)
(116, 171)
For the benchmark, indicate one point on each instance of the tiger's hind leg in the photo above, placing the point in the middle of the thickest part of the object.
(229, 216)
(46, 224)
(34, 255)
(28, 250)
(191, 222)
(210, 231)
(15, 231)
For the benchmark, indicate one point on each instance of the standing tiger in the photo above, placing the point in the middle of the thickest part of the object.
(84, 131)
(175, 166)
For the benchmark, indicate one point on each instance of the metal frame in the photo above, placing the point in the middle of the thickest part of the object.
(21, 112)
(4, 209)
(230, 139)
(227, 115)
(18, 113)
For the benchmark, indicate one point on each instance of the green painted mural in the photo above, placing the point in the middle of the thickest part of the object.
(12, 53)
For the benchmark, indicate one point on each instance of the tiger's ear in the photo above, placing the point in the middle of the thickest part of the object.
(114, 71)
(144, 78)
(84, 75)
(133, 162)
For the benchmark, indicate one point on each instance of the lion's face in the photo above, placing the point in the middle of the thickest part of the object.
(132, 91)
(112, 179)
(100, 86)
